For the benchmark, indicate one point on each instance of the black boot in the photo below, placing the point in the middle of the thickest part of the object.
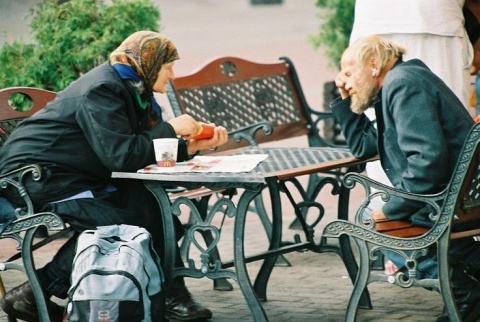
(20, 303)
(466, 292)
(181, 305)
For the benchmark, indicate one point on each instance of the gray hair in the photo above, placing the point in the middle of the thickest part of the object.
(366, 48)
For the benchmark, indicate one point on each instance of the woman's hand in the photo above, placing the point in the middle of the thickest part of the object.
(220, 136)
(184, 125)
(187, 127)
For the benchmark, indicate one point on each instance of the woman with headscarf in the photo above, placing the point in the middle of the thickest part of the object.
(105, 121)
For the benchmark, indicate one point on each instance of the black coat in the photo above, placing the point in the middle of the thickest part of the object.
(93, 127)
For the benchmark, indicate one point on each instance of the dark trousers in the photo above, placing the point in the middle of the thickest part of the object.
(131, 204)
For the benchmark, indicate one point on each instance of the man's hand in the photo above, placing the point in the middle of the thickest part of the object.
(341, 81)
(379, 216)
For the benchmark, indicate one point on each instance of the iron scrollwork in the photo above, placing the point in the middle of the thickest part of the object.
(202, 226)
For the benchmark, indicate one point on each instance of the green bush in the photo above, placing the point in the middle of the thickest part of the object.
(335, 28)
(71, 38)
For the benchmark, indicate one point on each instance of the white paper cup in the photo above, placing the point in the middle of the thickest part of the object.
(165, 152)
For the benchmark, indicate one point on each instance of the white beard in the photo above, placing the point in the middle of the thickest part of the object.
(360, 104)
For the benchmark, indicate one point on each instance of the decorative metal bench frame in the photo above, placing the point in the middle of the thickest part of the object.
(23, 229)
(456, 215)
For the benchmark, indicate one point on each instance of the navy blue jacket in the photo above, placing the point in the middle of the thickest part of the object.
(421, 128)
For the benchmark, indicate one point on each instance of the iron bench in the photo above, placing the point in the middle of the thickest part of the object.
(17, 103)
(456, 214)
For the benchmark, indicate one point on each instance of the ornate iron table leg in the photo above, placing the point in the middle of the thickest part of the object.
(207, 269)
(262, 214)
(239, 254)
(168, 230)
(263, 275)
(202, 204)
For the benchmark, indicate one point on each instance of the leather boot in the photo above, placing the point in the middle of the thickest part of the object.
(466, 292)
(181, 305)
(20, 303)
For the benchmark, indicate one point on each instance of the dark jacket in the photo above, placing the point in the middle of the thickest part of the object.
(93, 127)
(421, 128)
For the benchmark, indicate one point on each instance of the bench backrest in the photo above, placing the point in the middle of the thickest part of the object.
(236, 93)
(466, 178)
(31, 99)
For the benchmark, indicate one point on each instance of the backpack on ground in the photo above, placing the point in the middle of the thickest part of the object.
(116, 277)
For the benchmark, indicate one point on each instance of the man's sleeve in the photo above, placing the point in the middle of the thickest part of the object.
(358, 130)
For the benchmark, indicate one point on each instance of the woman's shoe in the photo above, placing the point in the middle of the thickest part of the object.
(20, 303)
(184, 307)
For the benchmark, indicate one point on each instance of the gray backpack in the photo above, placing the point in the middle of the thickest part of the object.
(116, 277)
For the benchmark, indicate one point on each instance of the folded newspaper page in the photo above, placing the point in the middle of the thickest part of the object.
(230, 163)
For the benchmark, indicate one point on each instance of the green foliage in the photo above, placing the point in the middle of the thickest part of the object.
(71, 38)
(335, 29)
(13, 58)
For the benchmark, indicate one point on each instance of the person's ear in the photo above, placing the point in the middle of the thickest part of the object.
(374, 69)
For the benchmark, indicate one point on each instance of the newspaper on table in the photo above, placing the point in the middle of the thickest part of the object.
(230, 163)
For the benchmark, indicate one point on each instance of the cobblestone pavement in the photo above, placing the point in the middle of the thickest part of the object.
(315, 286)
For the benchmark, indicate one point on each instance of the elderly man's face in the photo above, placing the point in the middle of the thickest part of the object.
(359, 82)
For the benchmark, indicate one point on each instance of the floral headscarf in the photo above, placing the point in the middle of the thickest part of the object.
(146, 52)
(138, 60)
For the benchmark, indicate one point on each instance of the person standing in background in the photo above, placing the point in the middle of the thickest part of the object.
(431, 30)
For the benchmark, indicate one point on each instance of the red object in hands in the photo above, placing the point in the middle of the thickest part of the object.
(205, 132)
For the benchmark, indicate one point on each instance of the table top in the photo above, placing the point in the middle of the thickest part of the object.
(282, 163)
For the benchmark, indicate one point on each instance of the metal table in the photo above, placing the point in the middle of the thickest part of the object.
(283, 165)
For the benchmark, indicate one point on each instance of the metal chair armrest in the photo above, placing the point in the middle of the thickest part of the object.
(374, 189)
(248, 133)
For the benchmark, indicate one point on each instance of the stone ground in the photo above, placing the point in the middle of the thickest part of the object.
(315, 287)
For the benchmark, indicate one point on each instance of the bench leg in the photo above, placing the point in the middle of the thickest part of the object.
(29, 265)
(262, 214)
(346, 252)
(360, 282)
